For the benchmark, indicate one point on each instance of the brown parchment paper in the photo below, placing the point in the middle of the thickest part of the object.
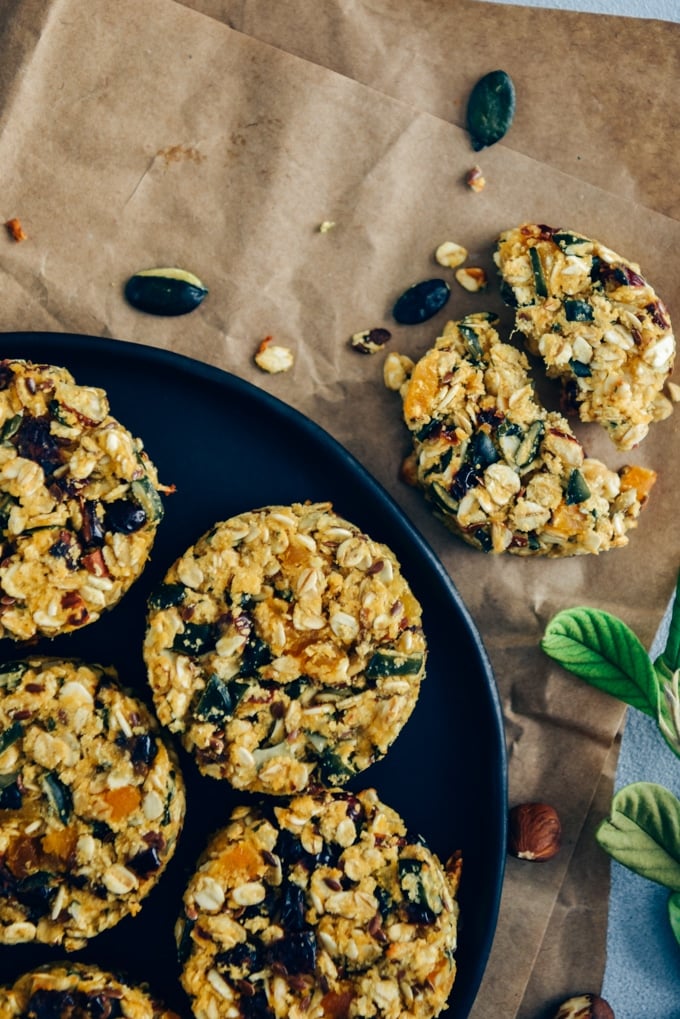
(159, 133)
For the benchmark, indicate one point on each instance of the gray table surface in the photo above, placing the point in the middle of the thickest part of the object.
(666, 10)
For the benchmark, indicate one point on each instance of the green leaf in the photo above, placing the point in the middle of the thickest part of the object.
(603, 650)
(670, 657)
(674, 914)
(643, 832)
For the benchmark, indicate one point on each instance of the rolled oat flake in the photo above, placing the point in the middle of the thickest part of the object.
(490, 109)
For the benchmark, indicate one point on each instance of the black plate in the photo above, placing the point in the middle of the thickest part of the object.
(230, 447)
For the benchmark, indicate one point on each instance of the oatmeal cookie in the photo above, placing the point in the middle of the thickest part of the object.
(595, 321)
(91, 802)
(501, 471)
(324, 906)
(285, 647)
(70, 990)
(79, 503)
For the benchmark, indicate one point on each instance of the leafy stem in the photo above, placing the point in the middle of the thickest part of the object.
(643, 829)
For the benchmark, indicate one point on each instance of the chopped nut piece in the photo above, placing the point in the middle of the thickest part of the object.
(673, 391)
(370, 340)
(451, 254)
(15, 229)
(475, 179)
(396, 371)
(408, 471)
(472, 279)
(326, 226)
(272, 358)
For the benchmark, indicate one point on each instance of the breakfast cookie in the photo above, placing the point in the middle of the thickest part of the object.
(285, 647)
(501, 471)
(323, 906)
(595, 321)
(91, 802)
(66, 990)
(79, 503)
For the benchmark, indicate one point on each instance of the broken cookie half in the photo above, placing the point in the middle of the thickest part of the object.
(502, 471)
(595, 321)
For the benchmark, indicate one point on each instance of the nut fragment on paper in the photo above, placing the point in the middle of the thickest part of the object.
(15, 229)
(472, 279)
(272, 357)
(450, 254)
(475, 179)
(370, 341)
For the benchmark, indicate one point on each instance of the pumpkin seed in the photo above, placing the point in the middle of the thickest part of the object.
(539, 277)
(490, 109)
(577, 489)
(165, 291)
(421, 301)
(578, 311)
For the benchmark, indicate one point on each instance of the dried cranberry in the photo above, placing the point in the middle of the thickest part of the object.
(289, 848)
(8, 882)
(466, 478)
(36, 893)
(6, 375)
(243, 955)
(256, 1006)
(102, 831)
(10, 798)
(67, 548)
(125, 516)
(103, 1006)
(618, 275)
(657, 314)
(45, 1004)
(293, 908)
(92, 530)
(34, 441)
(418, 913)
(145, 862)
(296, 951)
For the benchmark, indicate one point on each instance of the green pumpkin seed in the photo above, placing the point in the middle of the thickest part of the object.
(490, 109)
(539, 277)
(579, 311)
(577, 489)
(165, 291)
(529, 447)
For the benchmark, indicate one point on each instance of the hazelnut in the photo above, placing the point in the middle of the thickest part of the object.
(585, 1006)
(534, 831)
